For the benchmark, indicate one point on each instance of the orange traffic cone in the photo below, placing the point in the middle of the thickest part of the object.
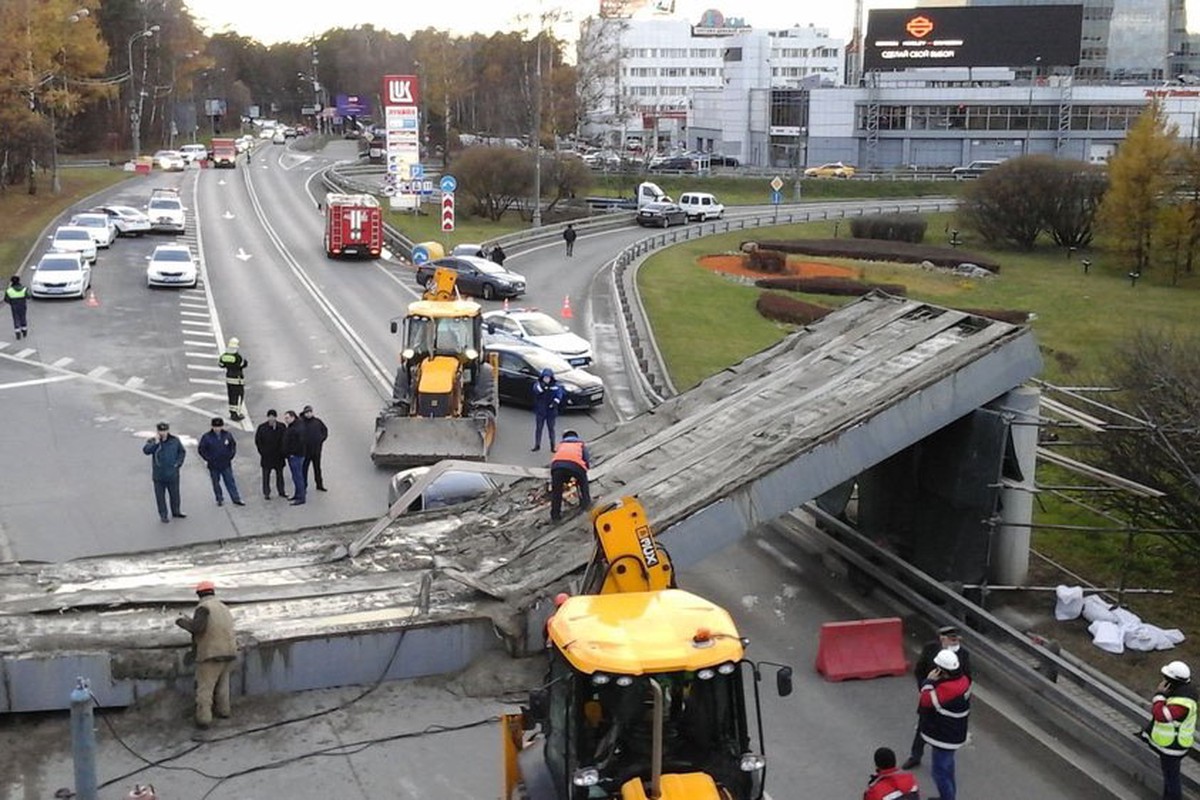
(91, 301)
(566, 309)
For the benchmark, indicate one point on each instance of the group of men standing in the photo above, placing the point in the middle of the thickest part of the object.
(296, 442)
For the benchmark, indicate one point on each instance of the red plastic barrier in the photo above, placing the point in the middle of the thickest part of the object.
(865, 648)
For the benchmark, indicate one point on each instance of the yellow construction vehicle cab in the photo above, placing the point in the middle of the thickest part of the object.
(444, 397)
(646, 691)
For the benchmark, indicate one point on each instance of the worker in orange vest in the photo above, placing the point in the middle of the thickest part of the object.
(571, 461)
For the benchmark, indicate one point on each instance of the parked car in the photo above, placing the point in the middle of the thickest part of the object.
(169, 160)
(277, 137)
(194, 152)
(541, 329)
(718, 160)
(661, 215)
(166, 213)
(73, 239)
(477, 277)
(469, 249)
(522, 364)
(701, 206)
(99, 225)
(61, 275)
(172, 265)
(674, 164)
(127, 220)
(974, 169)
(453, 487)
(835, 170)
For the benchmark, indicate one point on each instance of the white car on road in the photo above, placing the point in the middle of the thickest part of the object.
(61, 275)
(101, 227)
(193, 152)
(127, 220)
(166, 213)
(541, 329)
(169, 161)
(172, 265)
(73, 239)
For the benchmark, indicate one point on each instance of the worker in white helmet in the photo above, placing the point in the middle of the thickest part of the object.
(1172, 727)
(944, 706)
(235, 377)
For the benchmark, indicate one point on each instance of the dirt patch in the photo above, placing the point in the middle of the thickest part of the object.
(735, 264)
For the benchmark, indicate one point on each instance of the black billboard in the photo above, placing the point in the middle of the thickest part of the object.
(975, 36)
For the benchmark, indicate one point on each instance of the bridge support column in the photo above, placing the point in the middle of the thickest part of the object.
(1010, 545)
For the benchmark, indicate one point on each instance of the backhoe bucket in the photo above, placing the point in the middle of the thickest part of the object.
(403, 441)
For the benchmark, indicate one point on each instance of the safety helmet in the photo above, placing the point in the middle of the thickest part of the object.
(233, 343)
(1177, 671)
(947, 660)
(205, 587)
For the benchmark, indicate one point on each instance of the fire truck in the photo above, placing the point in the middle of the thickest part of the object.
(224, 153)
(353, 225)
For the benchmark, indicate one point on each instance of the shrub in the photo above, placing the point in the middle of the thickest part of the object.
(890, 227)
(881, 250)
(789, 310)
(771, 261)
(831, 286)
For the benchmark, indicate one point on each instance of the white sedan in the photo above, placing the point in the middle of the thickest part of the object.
(61, 275)
(170, 161)
(101, 227)
(541, 329)
(172, 265)
(127, 220)
(73, 239)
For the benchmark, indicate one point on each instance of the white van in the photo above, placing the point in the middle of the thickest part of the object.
(650, 193)
(701, 206)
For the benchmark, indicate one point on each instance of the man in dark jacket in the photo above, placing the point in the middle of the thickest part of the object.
(547, 397)
(293, 451)
(569, 237)
(315, 434)
(571, 461)
(166, 457)
(217, 450)
(211, 627)
(944, 707)
(235, 377)
(268, 440)
(16, 295)
(949, 638)
(498, 255)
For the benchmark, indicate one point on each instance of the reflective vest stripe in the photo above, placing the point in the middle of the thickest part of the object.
(570, 451)
(14, 293)
(937, 706)
(1175, 738)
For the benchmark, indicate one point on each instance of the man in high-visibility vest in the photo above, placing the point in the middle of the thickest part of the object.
(1172, 728)
(571, 461)
(17, 297)
(235, 378)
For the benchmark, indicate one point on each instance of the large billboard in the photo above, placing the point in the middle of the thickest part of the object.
(974, 36)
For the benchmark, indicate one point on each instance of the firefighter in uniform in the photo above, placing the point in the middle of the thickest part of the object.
(235, 378)
(571, 460)
(1172, 728)
(211, 627)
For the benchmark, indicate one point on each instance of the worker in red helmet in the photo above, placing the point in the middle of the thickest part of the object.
(211, 627)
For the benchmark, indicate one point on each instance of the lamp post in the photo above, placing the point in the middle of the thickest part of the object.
(135, 109)
(537, 139)
(1029, 109)
(55, 183)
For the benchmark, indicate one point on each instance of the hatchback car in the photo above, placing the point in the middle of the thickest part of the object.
(170, 160)
(451, 488)
(521, 365)
(172, 265)
(538, 327)
(661, 215)
(61, 275)
(975, 169)
(73, 239)
(166, 213)
(835, 170)
(477, 277)
(99, 225)
(277, 137)
(127, 220)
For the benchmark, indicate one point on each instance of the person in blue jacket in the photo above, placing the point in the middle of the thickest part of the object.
(217, 449)
(166, 457)
(547, 398)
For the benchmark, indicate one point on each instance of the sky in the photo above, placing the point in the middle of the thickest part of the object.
(274, 21)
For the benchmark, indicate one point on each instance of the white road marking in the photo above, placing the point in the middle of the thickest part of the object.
(243, 255)
(26, 353)
(204, 368)
(191, 398)
(3, 345)
(206, 382)
(135, 383)
(36, 382)
(98, 371)
(187, 304)
(191, 343)
(197, 322)
(64, 361)
(202, 355)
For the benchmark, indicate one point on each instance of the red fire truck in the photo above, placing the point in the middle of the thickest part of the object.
(353, 225)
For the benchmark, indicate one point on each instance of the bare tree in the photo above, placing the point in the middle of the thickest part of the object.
(494, 178)
(597, 80)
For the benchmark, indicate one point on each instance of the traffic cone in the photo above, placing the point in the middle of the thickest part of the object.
(566, 309)
(91, 301)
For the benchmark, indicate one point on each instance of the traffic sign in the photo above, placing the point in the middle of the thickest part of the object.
(776, 197)
(447, 210)
(388, 191)
(420, 254)
(416, 172)
(776, 183)
(448, 183)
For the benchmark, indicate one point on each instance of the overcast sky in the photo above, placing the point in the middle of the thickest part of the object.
(272, 21)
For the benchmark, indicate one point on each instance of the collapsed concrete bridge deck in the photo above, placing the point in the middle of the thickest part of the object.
(428, 594)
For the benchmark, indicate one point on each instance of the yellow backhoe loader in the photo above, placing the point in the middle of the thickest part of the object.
(646, 693)
(445, 395)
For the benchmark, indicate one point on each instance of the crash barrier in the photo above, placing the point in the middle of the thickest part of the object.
(863, 648)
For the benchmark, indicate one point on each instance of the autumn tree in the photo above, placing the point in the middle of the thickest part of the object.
(494, 179)
(598, 59)
(564, 177)
(1140, 178)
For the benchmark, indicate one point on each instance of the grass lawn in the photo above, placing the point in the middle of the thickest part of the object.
(427, 226)
(26, 216)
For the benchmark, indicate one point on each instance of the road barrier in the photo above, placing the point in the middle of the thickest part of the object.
(863, 648)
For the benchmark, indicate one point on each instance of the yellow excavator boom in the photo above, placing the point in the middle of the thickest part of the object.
(627, 556)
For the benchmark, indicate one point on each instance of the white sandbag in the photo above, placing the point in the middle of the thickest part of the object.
(1107, 636)
(1143, 638)
(1126, 619)
(1068, 603)
(1173, 635)
(1095, 608)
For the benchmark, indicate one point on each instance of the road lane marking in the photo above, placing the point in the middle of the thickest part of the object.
(36, 382)
(202, 355)
(201, 314)
(64, 361)
(206, 381)
(98, 371)
(205, 368)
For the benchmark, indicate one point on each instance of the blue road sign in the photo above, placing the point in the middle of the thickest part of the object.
(448, 184)
(776, 198)
(426, 187)
(420, 255)
(416, 172)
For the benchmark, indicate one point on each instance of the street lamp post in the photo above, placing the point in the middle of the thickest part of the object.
(537, 140)
(135, 108)
(1029, 109)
